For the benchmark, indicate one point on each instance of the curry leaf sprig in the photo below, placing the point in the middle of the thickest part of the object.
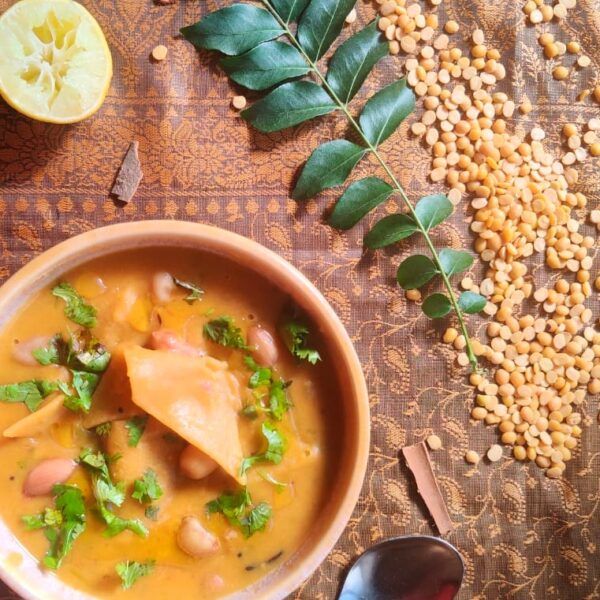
(258, 60)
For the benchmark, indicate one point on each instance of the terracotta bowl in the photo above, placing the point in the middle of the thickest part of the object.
(20, 570)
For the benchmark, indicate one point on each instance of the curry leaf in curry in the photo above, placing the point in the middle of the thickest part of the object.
(76, 309)
(131, 571)
(276, 445)
(195, 292)
(238, 510)
(135, 428)
(31, 393)
(223, 331)
(62, 524)
(297, 338)
(147, 489)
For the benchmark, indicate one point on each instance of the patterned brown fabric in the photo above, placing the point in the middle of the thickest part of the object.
(521, 535)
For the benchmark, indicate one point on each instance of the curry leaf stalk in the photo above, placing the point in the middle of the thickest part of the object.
(397, 186)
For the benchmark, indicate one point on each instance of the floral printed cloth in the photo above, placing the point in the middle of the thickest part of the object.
(521, 535)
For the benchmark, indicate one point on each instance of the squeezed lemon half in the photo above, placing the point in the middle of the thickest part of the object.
(55, 64)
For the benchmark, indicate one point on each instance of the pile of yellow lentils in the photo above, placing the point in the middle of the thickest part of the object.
(543, 362)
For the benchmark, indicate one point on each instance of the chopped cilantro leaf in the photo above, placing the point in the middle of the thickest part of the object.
(195, 292)
(297, 337)
(87, 354)
(131, 571)
(147, 489)
(50, 354)
(279, 402)
(276, 446)
(116, 524)
(222, 330)
(62, 524)
(94, 461)
(151, 512)
(31, 393)
(135, 429)
(76, 309)
(107, 492)
(78, 394)
(49, 517)
(238, 510)
(103, 429)
(256, 519)
(80, 352)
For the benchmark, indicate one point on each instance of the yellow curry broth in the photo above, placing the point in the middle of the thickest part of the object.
(120, 288)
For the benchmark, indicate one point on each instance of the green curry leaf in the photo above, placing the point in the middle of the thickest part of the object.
(234, 29)
(288, 105)
(437, 306)
(433, 210)
(320, 24)
(415, 272)
(389, 230)
(471, 303)
(289, 10)
(359, 198)
(353, 61)
(384, 112)
(455, 261)
(265, 66)
(329, 165)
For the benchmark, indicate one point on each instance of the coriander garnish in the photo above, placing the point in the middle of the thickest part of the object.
(62, 524)
(276, 446)
(135, 428)
(108, 494)
(195, 291)
(76, 309)
(31, 393)
(147, 489)
(266, 386)
(237, 508)
(297, 338)
(223, 331)
(131, 571)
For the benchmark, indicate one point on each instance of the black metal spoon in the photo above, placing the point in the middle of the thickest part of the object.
(416, 567)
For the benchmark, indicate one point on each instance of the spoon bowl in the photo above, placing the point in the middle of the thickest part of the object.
(415, 567)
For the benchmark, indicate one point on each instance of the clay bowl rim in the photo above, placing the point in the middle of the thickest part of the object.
(47, 267)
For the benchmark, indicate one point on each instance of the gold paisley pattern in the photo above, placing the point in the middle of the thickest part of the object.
(522, 536)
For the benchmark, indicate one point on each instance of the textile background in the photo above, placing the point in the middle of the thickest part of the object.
(521, 534)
